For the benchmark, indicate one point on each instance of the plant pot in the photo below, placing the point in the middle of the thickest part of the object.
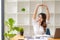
(21, 33)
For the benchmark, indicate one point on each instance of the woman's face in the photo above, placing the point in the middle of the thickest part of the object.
(39, 19)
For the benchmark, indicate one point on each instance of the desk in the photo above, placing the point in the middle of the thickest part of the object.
(53, 39)
(22, 37)
(17, 37)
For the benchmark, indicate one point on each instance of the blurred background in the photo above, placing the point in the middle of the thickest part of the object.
(22, 10)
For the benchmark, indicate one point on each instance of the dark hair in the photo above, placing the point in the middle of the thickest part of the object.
(43, 23)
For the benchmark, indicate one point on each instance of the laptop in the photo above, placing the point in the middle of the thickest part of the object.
(57, 33)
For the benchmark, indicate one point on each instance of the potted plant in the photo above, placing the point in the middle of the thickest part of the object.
(21, 31)
(10, 24)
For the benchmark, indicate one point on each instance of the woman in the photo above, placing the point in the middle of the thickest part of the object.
(40, 22)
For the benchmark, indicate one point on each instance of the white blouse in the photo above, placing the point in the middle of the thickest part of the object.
(38, 30)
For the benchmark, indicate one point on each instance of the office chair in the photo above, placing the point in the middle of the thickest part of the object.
(47, 31)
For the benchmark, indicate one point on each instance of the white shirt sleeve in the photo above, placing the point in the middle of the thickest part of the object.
(34, 23)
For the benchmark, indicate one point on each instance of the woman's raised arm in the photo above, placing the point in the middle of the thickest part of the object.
(47, 13)
(35, 11)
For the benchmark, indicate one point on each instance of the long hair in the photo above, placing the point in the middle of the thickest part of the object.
(43, 23)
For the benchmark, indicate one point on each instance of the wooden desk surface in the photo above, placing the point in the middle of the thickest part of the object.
(53, 39)
(22, 37)
(17, 37)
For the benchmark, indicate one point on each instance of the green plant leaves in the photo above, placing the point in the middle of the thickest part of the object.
(9, 35)
(11, 21)
(5, 34)
(19, 29)
(10, 24)
(16, 28)
(23, 9)
(6, 23)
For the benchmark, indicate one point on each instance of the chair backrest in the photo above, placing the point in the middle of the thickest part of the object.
(47, 31)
